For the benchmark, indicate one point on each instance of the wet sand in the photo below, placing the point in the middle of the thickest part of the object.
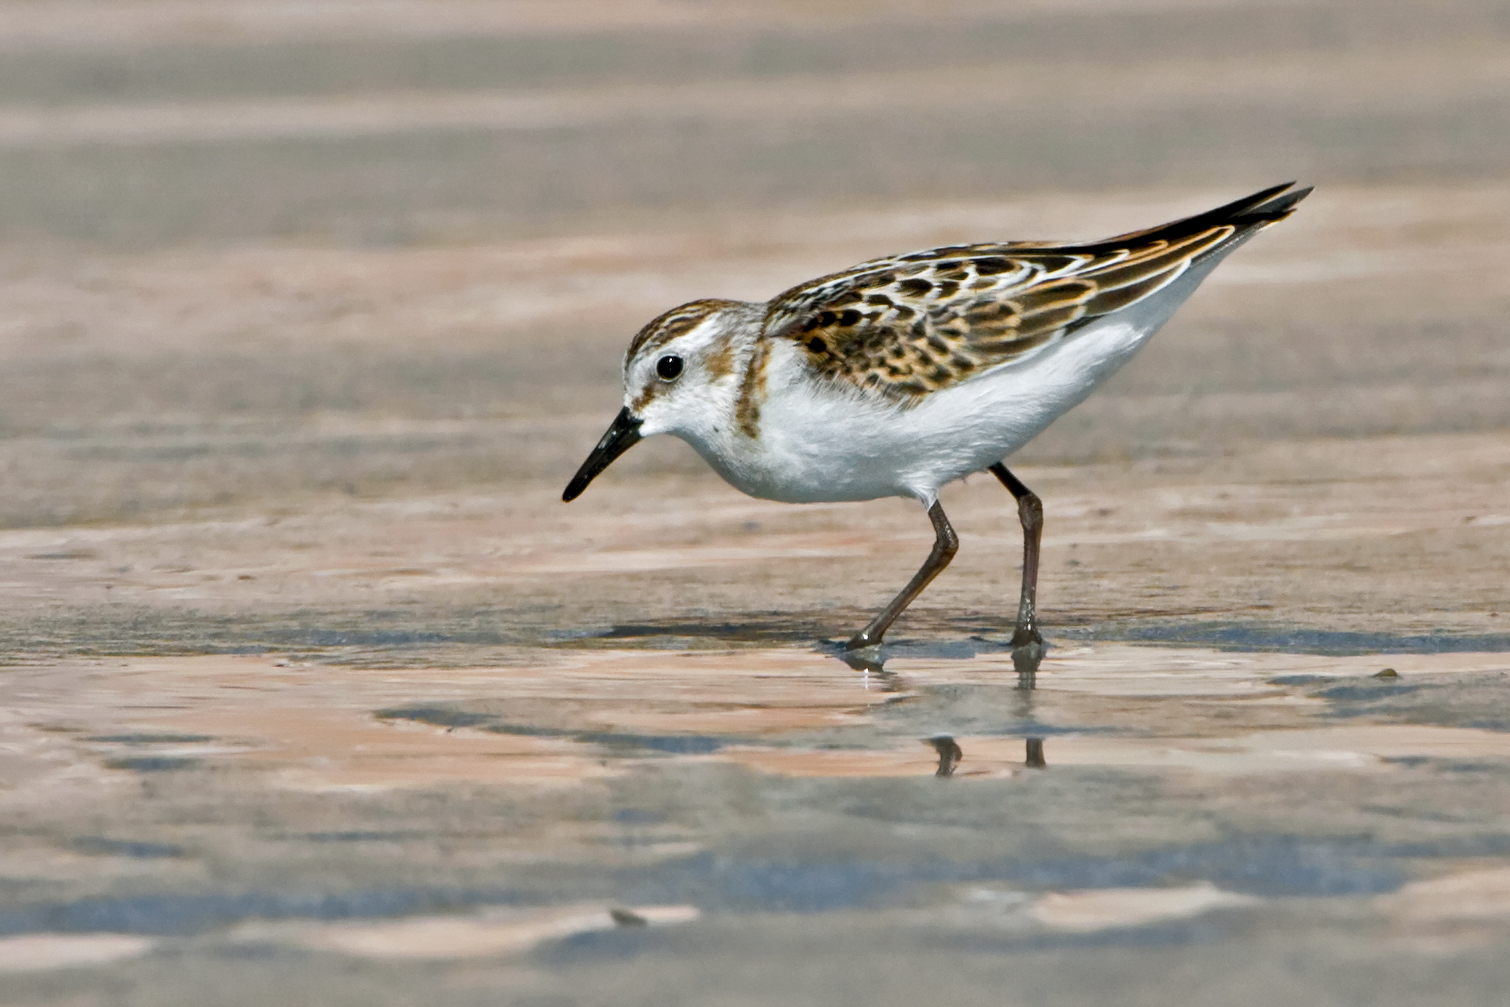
(314, 692)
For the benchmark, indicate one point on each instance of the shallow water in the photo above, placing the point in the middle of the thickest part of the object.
(286, 815)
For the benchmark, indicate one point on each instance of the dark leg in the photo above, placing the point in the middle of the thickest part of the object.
(1030, 512)
(944, 548)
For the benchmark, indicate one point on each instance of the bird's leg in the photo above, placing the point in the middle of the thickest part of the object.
(1030, 512)
(944, 548)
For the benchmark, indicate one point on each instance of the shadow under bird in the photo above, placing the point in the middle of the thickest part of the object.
(901, 374)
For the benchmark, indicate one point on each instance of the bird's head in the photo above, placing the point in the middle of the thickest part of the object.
(680, 374)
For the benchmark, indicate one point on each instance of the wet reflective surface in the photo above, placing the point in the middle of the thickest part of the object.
(577, 820)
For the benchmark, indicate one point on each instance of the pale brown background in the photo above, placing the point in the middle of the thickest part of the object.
(309, 310)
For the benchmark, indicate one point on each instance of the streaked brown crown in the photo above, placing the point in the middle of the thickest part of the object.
(678, 321)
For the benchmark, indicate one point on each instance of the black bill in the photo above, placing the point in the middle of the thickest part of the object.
(622, 436)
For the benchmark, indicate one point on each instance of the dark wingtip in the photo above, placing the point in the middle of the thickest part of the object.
(1257, 210)
(1262, 207)
(1276, 204)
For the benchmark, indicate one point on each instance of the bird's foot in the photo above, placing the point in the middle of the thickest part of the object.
(1027, 635)
(864, 640)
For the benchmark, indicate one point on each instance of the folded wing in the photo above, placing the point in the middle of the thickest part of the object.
(904, 326)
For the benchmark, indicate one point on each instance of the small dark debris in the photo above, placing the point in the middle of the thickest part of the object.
(628, 918)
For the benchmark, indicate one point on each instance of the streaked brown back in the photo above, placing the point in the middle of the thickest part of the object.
(907, 325)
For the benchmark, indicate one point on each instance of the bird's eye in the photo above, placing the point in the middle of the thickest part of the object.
(669, 367)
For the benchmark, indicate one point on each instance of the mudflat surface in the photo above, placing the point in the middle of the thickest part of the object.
(314, 692)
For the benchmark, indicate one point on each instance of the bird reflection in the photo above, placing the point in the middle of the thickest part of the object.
(1025, 661)
(950, 754)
